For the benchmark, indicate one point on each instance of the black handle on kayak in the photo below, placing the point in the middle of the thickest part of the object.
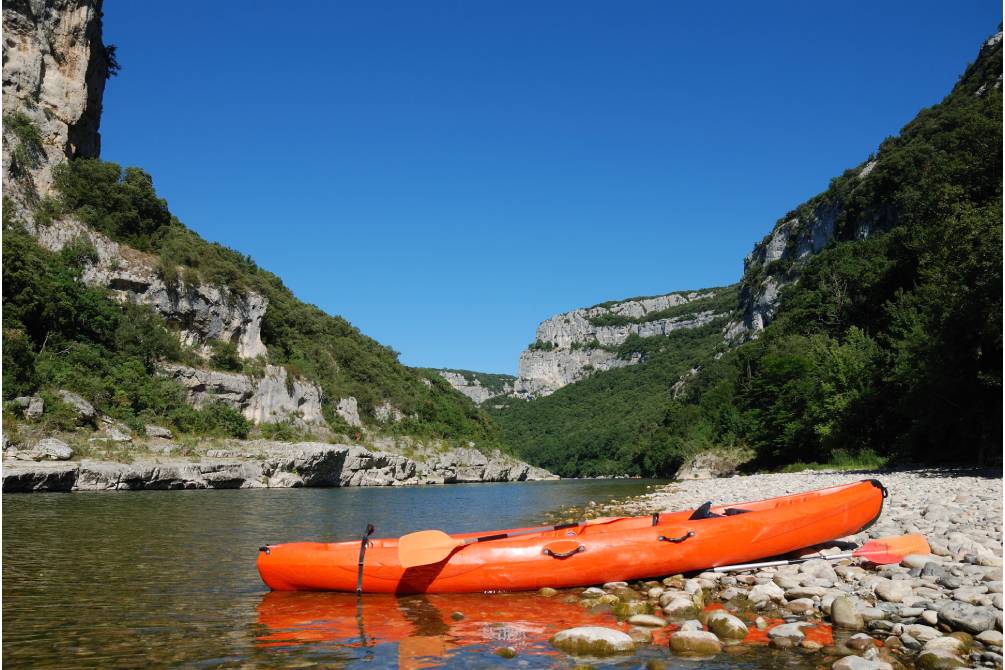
(564, 554)
(676, 540)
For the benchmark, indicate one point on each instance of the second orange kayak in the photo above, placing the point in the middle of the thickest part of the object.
(621, 549)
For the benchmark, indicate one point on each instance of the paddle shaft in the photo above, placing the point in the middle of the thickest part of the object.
(772, 564)
(529, 531)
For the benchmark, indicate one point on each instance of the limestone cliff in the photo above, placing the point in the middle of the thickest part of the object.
(776, 261)
(263, 464)
(272, 397)
(199, 312)
(54, 71)
(572, 345)
(479, 386)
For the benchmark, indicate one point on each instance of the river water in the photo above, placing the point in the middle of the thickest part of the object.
(167, 578)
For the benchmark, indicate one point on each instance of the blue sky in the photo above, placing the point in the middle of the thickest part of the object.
(447, 174)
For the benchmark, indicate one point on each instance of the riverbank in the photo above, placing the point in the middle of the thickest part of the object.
(233, 464)
(936, 611)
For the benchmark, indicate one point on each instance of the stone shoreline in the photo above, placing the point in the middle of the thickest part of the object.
(936, 611)
(263, 464)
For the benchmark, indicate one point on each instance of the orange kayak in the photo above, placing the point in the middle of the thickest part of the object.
(610, 550)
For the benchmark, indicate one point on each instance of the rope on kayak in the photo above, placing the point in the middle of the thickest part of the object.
(364, 542)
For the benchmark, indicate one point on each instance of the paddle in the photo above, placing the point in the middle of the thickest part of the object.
(432, 546)
(882, 551)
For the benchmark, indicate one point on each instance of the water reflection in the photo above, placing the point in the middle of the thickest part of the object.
(426, 630)
(159, 578)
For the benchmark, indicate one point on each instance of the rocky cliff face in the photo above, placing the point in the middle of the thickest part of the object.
(573, 345)
(777, 260)
(54, 71)
(199, 312)
(272, 397)
(478, 386)
(261, 464)
(774, 262)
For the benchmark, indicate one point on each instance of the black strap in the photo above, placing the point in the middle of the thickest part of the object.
(656, 518)
(364, 541)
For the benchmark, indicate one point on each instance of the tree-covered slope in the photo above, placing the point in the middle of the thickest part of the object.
(886, 338)
(610, 422)
(59, 332)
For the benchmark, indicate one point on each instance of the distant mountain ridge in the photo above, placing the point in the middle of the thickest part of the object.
(574, 345)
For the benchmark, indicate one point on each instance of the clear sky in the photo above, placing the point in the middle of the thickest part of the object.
(447, 174)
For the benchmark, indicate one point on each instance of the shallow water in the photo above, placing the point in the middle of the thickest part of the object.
(156, 578)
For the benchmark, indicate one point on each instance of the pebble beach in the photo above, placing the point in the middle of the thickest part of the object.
(940, 610)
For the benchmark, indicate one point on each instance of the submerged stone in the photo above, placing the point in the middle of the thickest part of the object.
(593, 641)
(695, 643)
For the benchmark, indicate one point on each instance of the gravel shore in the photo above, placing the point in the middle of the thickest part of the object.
(942, 610)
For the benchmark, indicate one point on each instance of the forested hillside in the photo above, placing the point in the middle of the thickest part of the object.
(885, 344)
(60, 332)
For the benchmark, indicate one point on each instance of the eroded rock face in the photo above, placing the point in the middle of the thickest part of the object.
(273, 397)
(54, 71)
(202, 312)
(348, 409)
(259, 464)
(791, 241)
(473, 388)
(572, 345)
(709, 465)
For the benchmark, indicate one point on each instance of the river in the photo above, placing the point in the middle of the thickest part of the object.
(167, 578)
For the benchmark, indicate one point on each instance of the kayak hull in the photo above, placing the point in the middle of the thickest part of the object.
(619, 550)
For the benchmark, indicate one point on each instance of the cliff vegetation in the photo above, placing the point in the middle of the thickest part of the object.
(884, 341)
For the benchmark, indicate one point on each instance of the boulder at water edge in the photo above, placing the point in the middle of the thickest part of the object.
(859, 663)
(695, 643)
(726, 626)
(593, 641)
(844, 615)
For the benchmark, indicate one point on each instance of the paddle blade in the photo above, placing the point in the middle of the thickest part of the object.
(892, 549)
(425, 547)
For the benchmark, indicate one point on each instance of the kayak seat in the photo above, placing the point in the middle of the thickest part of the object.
(703, 512)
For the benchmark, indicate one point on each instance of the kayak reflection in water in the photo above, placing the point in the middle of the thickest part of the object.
(426, 628)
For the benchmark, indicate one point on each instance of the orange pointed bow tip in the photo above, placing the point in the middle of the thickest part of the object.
(893, 549)
(425, 547)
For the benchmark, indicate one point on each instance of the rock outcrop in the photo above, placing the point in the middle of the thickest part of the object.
(200, 312)
(712, 464)
(272, 397)
(478, 386)
(774, 262)
(572, 345)
(261, 464)
(54, 71)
